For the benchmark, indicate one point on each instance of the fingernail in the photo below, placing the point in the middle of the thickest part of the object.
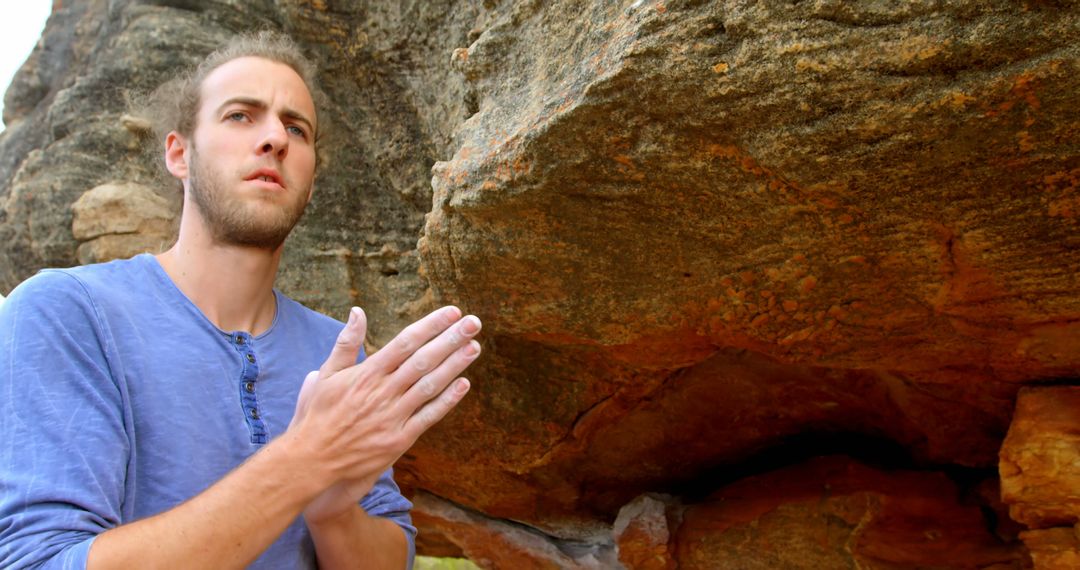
(462, 386)
(470, 325)
(452, 313)
(472, 349)
(353, 315)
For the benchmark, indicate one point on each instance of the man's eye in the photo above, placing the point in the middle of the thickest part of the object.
(297, 131)
(237, 116)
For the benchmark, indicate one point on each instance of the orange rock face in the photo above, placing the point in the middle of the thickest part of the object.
(643, 534)
(835, 513)
(1053, 549)
(698, 232)
(1040, 458)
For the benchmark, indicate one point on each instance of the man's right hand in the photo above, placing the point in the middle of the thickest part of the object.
(355, 420)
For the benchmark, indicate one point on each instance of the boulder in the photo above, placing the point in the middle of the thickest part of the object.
(1053, 548)
(643, 533)
(117, 221)
(1040, 458)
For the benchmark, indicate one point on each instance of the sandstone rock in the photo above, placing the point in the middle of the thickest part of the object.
(496, 545)
(642, 533)
(117, 221)
(835, 513)
(667, 211)
(1054, 548)
(1040, 458)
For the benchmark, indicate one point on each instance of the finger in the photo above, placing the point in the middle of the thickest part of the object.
(436, 409)
(303, 399)
(432, 354)
(348, 344)
(413, 337)
(435, 383)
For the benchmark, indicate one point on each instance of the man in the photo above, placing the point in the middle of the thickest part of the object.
(147, 405)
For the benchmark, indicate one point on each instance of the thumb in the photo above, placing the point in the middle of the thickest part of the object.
(347, 347)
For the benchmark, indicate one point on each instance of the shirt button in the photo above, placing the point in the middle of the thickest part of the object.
(254, 414)
(251, 358)
(249, 386)
(240, 340)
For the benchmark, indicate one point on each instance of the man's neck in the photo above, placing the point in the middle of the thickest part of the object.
(231, 285)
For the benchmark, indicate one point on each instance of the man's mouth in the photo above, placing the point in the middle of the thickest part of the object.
(266, 175)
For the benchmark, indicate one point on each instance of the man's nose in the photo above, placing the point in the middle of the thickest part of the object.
(275, 140)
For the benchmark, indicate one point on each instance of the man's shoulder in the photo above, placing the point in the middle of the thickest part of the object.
(109, 274)
(81, 283)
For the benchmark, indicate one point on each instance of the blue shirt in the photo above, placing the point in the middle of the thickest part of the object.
(119, 400)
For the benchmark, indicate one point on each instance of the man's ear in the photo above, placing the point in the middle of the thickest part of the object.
(177, 152)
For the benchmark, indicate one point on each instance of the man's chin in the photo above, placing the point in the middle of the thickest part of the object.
(255, 233)
(252, 240)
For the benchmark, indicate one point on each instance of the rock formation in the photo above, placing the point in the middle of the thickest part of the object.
(117, 221)
(710, 241)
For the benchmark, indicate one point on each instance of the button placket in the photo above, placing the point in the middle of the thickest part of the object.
(248, 384)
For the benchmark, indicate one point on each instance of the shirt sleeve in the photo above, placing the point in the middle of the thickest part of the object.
(385, 500)
(64, 451)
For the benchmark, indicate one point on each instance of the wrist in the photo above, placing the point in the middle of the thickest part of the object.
(303, 468)
(345, 518)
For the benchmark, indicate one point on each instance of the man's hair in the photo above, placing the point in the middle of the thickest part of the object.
(174, 106)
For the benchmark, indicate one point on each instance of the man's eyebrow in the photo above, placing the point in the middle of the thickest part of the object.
(261, 105)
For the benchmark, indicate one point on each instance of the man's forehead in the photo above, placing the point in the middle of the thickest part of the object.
(258, 79)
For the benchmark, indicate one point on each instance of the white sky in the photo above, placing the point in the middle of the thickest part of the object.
(20, 27)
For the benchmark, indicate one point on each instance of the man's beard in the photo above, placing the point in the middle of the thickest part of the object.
(233, 220)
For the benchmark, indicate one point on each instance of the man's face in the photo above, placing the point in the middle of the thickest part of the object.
(252, 157)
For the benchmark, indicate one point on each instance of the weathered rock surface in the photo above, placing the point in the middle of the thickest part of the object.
(698, 233)
(835, 513)
(643, 533)
(699, 228)
(117, 221)
(1040, 474)
(500, 544)
(1053, 549)
(1040, 458)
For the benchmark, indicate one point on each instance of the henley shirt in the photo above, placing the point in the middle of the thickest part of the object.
(119, 400)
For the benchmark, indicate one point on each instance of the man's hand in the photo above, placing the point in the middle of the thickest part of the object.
(359, 418)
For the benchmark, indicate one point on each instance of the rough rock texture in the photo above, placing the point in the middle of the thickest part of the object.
(699, 228)
(1040, 458)
(707, 239)
(642, 532)
(834, 513)
(1053, 549)
(1040, 474)
(117, 221)
(499, 544)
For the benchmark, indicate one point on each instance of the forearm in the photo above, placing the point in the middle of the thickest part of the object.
(226, 526)
(359, 540)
